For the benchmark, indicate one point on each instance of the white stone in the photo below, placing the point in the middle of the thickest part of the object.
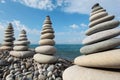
(100, 46)
(106, 59)
(100, 36)
(96, 8)
(102, 27)
(22, 54)
(47, 31)
(81, 73)
(21, 42)
(46, 50)
(47, 42)
(98, 16)
(47, 36)
(45, 58)
(20, 48)
(101, 10)
(104, 19)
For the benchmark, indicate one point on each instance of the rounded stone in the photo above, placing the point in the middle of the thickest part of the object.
(22, 35)
(47, 36)
(22, 39)
(98, 16)
(47, 31)
(96, 8)
(20, 48)
(47, 42)
(22, 54)
(7, 44)
(6, 48)
(46, 50)
(21, 42)
(100, 46)
(102, 26)
(101, 10)
(104, 19)
(44, 28)
(9, 35)
(8, 39)
(47, 25)
(100, 36)
(106, 59)
(82, 73)
(45, 58)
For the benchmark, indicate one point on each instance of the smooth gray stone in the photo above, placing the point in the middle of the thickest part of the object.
(8, 39)
(9, 35)
(47, 31)
(20, 48)
(100, 36)
(106, 59)
(104, 19)
(98, 16)
(98, 11)
(47, 25)
(22, 38)
(6, 48)
(102, 27)
(40, 58)
(9, 30)
(44, 28)
(47, 36)
(82, 73)
(47, 42)
(22, 35)
(46, 50)
(21, 42)
(100, 46)
(22, 54)
(7, 44)
(96, 8)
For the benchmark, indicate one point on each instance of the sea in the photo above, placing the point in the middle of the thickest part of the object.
(66, 51)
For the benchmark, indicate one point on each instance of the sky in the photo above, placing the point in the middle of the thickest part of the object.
(70, 18)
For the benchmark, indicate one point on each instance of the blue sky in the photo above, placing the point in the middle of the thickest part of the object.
(69, 17)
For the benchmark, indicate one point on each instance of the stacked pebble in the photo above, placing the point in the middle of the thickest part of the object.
(21, 47)
(100, 53)
(46, 50)
(8, 39)
(28, 69)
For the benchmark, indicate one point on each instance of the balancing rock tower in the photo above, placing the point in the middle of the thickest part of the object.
(8, 38)
(100, 53)
(46, 50)
(20, 48)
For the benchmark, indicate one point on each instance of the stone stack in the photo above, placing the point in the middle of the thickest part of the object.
(46, 50)
(8, 38)
(21, 49)
(101, 57)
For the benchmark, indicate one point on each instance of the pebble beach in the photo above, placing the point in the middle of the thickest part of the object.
(12, 68)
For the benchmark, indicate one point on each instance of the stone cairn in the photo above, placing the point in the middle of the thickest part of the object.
(46, 50)
(21, 49)
(101, 56)
(8, 39)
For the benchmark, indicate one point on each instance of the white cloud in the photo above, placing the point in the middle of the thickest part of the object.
(74, 26)
(39, 4)
(83, 25)
(84, 6)
(2, 1)
(19, 26)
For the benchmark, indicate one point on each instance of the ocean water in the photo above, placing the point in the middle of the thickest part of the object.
(67, 51)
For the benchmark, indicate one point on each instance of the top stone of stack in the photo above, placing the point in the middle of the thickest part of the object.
(8, 38)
